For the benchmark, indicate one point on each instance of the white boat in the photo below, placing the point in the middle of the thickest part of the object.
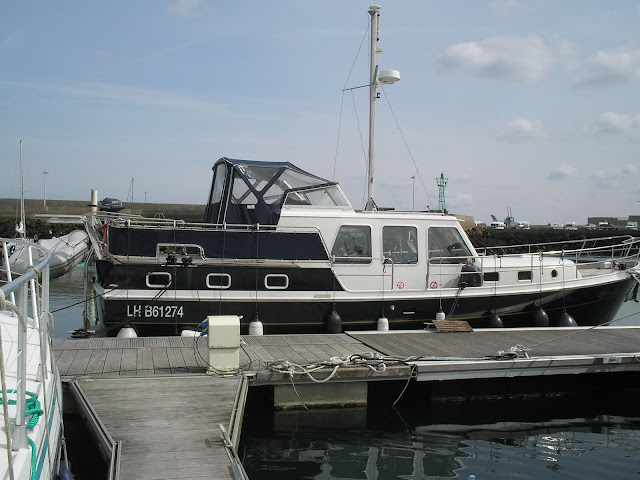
(66, 251)
(31, 391)
(284, 248)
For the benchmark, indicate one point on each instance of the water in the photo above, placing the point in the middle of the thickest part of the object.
(66, 302)
(561, 438)
(592, 435)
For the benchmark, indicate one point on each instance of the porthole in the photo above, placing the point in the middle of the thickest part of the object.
(276, 281)
(491, 276)
(554, 273)
(158, 279)
(220, 281)
(524, 275)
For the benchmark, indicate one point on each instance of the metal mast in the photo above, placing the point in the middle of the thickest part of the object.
(23, 222)
(376, 78)
(373, 94)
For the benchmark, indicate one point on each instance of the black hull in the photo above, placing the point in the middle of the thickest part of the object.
(589, 306)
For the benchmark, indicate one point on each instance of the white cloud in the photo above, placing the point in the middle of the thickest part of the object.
(465, 179)
(459, 200)
(183, 8)
(629, 170)
(562, 173)
(522, 129)
(615, 178)
(618, 123)
(522, 59)
(612, 66)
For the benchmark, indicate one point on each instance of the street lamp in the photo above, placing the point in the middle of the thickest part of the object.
(44, 175)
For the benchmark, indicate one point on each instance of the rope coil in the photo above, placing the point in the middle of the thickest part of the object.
(34, 411)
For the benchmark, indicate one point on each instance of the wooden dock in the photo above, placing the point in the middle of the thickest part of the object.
(168, 425)
(153, 395)
(150, 356)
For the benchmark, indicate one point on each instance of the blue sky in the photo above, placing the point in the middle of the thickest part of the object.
(532, 105)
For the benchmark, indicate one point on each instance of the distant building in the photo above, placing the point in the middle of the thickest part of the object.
(619, 222)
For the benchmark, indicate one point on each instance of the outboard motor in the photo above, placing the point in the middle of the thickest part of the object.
(470, 276)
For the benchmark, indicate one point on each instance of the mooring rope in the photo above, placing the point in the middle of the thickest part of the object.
(34, 409)
(374, 361)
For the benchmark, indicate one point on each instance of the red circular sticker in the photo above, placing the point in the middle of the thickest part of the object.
(400, 285)
(433, 285)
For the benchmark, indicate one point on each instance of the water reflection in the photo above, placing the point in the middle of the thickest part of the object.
(296, 450)
(408, 443)
(66, 301)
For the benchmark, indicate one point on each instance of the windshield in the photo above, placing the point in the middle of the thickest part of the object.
(329, 196)
(447, 243)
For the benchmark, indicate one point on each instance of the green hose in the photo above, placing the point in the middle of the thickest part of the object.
(34, 409)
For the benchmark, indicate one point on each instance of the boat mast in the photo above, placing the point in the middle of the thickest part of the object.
(385, 77)
(23, 224)
(373, 94)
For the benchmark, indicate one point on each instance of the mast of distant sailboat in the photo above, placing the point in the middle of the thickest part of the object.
(22, 228)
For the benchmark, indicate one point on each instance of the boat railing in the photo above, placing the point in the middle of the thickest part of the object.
(98, 223)
(579, 245)
(588, 260)
(585, 252)
(27, 298)
(101, 219)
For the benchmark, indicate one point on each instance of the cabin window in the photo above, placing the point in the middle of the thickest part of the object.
(241, 194)
(219, 281)
(446, 245)
(220, 177)
(525, 275)
(276, 281)
(400, 244)
(353, 244)
(217, 192)
(158, 279)
(491, 276)
(330, 196)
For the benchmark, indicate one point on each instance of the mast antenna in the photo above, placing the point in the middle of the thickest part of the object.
(384, 77)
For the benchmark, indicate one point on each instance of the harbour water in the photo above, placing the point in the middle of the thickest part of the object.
(592, 435)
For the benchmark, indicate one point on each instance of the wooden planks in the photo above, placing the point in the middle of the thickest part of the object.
(452, 325)
(146, 356)
(175, 355)
(487, 342)
(99, 357)
(178, 355)
(168, 425)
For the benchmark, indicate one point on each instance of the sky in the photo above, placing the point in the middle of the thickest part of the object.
(531, 106)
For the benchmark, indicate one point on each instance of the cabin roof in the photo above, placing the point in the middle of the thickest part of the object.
(260, 163)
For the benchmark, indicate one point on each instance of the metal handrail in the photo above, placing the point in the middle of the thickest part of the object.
(622, 240)
(31, 273)
(150, 223)
(22, 285)
(605, 257)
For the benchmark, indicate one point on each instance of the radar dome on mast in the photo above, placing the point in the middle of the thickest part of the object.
(389, 77)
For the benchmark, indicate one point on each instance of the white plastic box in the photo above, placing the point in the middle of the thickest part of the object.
(224, 343)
